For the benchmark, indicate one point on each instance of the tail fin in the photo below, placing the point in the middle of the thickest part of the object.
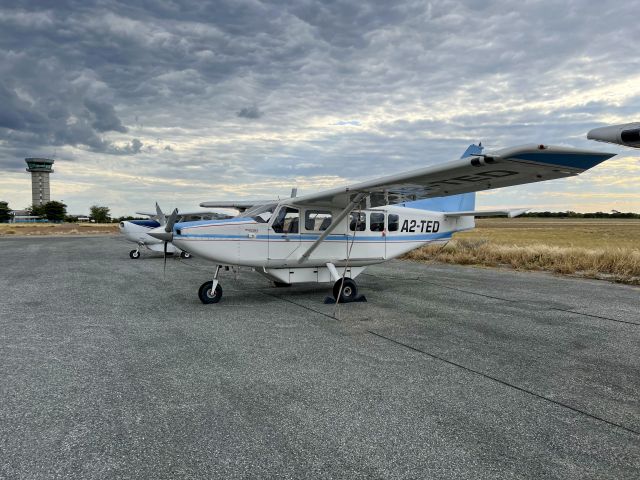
(452, 203)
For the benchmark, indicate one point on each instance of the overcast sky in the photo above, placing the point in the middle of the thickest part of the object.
(183, 101)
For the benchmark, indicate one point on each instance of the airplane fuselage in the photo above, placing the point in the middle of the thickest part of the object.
(137, 231)
(366, 237)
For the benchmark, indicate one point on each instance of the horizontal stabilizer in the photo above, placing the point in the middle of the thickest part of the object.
(511, 213)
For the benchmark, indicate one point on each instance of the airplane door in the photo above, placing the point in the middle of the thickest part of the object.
(376, 246)
(284, 237)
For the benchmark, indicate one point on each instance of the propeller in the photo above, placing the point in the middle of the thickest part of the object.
(166, 234)
(168, 228)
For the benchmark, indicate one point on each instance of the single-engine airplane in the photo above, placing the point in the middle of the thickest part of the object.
(332, 236)
(136, 231)
(627, 134)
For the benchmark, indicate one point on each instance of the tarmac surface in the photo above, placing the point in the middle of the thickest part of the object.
(109, 370)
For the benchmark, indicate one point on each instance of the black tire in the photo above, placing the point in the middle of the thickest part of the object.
(133, 254)
(281, 284)
(349, 290)
(205, 294)
(185, 255)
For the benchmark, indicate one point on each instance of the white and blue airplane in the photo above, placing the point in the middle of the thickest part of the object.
(627, 134)
(332, 236)
(137, 231)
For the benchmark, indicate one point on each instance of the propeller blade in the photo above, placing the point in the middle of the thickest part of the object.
(162, 219)
(171, 221)
(164, 268)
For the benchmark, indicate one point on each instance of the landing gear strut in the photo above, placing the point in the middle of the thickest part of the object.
(211, 291)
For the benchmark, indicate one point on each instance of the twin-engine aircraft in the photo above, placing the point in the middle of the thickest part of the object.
(332, 236)
(136, 231)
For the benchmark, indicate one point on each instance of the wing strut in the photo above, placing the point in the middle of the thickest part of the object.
(356, 200)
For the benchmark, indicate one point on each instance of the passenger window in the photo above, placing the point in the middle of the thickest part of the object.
(376, 222)
(394, 221)
(317, 220)
(286, 221)
(357, 221)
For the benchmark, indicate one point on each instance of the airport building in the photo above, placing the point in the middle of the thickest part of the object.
(40, 169)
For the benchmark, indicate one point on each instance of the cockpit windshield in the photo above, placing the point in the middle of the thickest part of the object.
(261, 213)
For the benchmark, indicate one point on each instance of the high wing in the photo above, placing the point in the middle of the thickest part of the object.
(504, 168)
(241, 205)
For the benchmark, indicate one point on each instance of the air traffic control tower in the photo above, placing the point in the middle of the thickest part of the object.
(40, 169)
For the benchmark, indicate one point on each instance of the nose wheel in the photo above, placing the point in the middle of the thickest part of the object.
(184, 254)
(211, 291)
(133, 254)
(210, 294)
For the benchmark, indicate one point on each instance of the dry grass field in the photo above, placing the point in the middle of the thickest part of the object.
(595, 248)
(7, 229)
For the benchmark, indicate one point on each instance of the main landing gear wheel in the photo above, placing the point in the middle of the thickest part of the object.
(349, 290)
(281, 284)
(134, 254)
(185, 255)
(208, 296)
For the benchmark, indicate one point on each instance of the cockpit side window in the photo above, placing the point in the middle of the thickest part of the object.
(261, 213)
(287, 220)
(317, 220)
(630, 136)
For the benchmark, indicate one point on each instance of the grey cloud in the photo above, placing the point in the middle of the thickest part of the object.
(104, 117)
(132, 147)
(252, 112)
(422, 80)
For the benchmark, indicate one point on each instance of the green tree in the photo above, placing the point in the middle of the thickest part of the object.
(5, 216)
(100, 214)
(37, 210)
(55, 211)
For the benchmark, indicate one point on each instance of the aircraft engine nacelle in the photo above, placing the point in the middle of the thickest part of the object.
(627, 134)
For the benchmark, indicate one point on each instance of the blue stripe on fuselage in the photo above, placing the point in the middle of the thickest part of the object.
(331, 238)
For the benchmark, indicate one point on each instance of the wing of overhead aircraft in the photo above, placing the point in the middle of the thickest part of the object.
(503, 168)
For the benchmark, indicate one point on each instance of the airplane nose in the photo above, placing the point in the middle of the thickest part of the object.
(161, 234)
(604, 134)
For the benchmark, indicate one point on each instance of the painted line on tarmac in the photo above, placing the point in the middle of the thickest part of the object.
(502, 382)
(509, 300)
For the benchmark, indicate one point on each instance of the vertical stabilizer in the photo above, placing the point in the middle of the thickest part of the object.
(452, 203)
